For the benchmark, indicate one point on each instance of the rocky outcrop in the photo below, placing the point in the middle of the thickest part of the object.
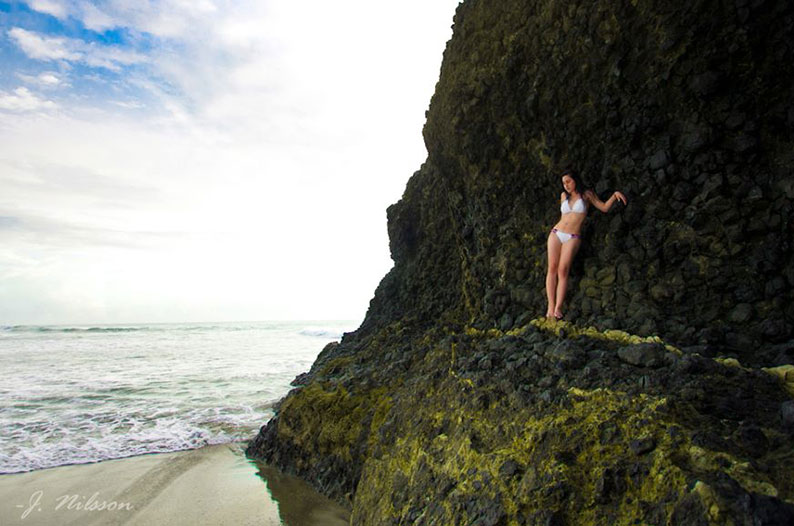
(687, 109)
(547, 424)
(668, 400)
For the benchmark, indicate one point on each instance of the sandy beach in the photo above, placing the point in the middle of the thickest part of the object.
(210, 485)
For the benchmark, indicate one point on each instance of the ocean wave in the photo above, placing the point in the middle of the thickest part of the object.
(319, 330)
(323, 332)
(40, 445)
(76, 397)
(58, 329)
(117, 329)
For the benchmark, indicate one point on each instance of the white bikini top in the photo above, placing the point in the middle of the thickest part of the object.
(578, 207)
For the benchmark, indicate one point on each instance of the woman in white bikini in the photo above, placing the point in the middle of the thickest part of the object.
(565, 237)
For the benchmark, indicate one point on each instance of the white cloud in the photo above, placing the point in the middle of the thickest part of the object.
(95, 19)
(50, 7)
(129, 104)
(108, 56)
(260, 225)
(41, 47)
(164, 18)
(301, 71)
(46, 79)
(92, 16)
(273, 139)
(23, 100)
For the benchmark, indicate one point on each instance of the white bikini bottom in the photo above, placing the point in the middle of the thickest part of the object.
(564, 237)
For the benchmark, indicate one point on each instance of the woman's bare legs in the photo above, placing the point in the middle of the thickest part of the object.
(553, 247)
(567, 252)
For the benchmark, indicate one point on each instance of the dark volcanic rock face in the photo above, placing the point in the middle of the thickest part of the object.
(455, 404)
(685, 108)
(546, 423)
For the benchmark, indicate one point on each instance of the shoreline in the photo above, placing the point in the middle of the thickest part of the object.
(214, 484)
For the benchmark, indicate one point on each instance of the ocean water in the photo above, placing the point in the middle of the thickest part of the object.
(80, 394)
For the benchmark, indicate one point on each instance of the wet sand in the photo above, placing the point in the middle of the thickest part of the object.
(211, 485)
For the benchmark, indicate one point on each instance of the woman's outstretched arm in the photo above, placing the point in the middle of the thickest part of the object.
(593, 199)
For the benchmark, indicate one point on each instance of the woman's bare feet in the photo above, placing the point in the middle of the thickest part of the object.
(558, 315)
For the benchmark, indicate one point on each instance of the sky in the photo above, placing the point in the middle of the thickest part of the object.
(206, 160)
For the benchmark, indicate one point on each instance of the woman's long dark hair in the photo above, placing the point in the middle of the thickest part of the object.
(580, 186)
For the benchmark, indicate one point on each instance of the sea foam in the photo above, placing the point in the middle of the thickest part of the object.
(78, 394)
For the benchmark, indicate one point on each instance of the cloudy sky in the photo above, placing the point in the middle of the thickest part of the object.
(206, 160)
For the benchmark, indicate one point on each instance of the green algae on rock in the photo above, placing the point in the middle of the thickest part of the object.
(490, 428)
(454, 404)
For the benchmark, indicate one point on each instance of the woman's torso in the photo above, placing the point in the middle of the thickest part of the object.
(573, 215)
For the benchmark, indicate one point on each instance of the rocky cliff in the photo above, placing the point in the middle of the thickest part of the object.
(667, 397)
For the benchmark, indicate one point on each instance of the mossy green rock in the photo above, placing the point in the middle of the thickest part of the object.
(454, 404)
(545, 423)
